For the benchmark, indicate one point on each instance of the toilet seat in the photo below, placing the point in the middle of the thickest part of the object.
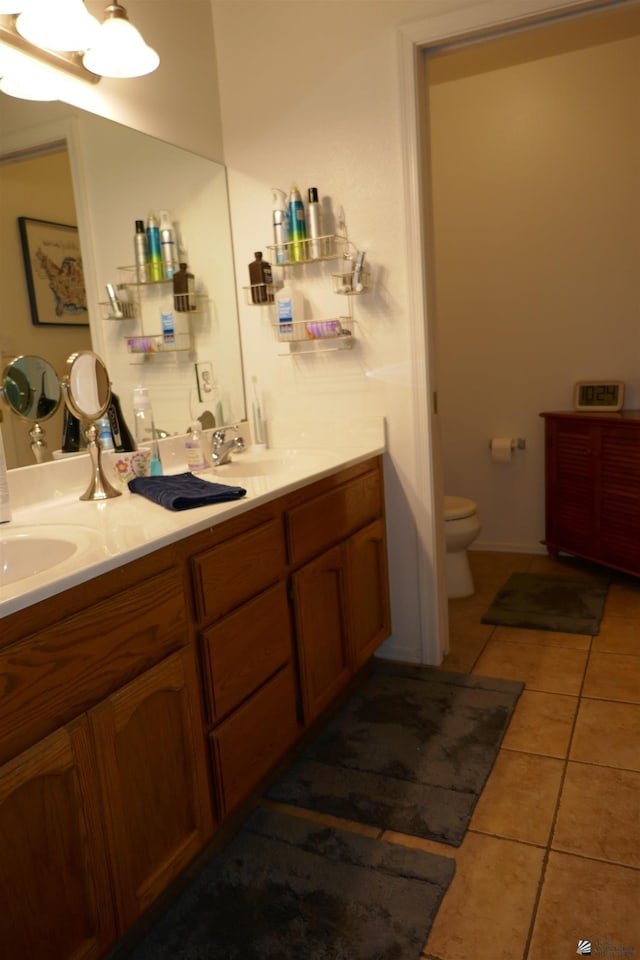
(457, 508)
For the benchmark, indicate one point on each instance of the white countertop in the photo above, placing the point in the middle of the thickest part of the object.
(109, 533)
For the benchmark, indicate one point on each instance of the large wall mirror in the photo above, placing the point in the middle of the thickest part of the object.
(63, 165)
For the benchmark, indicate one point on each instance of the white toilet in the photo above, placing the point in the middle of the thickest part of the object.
(462, 526)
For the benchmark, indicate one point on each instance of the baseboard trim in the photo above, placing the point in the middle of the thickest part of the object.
(486, 546)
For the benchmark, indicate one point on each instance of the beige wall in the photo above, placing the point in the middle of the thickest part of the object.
(535, 148)
(39, 188)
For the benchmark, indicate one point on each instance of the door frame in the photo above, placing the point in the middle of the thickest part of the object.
(465, 23)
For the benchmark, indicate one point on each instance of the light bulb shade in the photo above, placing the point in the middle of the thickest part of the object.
(58, 24)
(119, 50)
(27, 89)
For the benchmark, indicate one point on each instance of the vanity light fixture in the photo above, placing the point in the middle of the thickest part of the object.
(57, 24)
(35, 61)
(119, 50)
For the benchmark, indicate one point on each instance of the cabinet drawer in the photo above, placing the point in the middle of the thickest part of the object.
(332, 516)
(244, 649)
(252, 740)
(56, 674)
(237, 569)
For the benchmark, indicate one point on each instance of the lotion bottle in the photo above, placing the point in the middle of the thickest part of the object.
(196, 460)
(145, 429)
(289, 305)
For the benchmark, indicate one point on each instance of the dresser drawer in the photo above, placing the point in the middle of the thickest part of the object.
(237, 569)
(251, 741)
(317, 524)
(244, 649)
(54, 675)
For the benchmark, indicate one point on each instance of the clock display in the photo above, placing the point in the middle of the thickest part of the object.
(599, 395)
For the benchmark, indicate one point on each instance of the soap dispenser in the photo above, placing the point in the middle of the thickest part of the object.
(196, 460)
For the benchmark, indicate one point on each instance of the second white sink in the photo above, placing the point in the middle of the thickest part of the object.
(273, 462)
(26, 551)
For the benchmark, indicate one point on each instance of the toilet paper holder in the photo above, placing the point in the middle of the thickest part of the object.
(517, 443)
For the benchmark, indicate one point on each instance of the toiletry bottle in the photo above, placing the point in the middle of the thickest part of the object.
(183, 289)
(281, 224)
(144, 426)
(298, 226)
(257, 421)
(261, 280)
(123, 442)
(154, 252)
(315, 223)
(105, 438)
(5, 503)
(168, 247)
(196, 460)
(141, 251)
(289, 304)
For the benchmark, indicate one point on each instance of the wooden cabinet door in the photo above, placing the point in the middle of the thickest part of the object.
(320, 607)
(54, 884)
(369, 617)
(151, 757)
(619, 497)
(571, 452)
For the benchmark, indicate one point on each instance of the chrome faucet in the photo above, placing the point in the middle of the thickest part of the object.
(221, 448)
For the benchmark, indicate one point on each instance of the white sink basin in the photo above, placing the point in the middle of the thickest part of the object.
(272, 463)
(26, 551)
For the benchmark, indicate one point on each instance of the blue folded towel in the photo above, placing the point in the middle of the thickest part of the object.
(182, 491)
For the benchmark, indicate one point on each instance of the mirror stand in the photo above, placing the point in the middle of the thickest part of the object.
(39, 446)
(99, 487)
(87, 395)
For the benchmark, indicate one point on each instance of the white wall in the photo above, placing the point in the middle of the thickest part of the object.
(537, 252)
(330, 117)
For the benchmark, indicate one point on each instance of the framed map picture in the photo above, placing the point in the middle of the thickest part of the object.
(53, 268)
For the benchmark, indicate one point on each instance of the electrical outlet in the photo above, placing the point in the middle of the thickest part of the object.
(204, 378)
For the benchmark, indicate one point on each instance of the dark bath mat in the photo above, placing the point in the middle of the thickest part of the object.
(289, 889)
(410, 751)
(540, 602)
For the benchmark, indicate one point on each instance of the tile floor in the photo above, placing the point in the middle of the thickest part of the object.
(552, 855)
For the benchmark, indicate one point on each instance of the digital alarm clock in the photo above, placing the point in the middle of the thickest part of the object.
(599, 395)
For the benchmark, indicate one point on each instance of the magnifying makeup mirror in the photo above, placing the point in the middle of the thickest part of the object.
(87, 393)
(31, 389)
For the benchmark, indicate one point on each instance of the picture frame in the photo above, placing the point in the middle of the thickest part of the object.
(53, 270)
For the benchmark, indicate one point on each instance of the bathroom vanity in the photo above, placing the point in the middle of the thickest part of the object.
(142, 704)
(592, 478)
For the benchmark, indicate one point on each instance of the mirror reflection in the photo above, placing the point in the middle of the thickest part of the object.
(63, 165)
(31, 388)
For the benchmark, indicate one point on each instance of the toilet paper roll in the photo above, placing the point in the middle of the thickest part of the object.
(501, 449)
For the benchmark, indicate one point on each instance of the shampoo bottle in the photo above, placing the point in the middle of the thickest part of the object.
(315, 223)
(261, 280)
(155, 270)
(141, 251)
(298, 226)
(281, 224)
(183, 289)
(196, 460)
(168, 247)
(289, 304)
